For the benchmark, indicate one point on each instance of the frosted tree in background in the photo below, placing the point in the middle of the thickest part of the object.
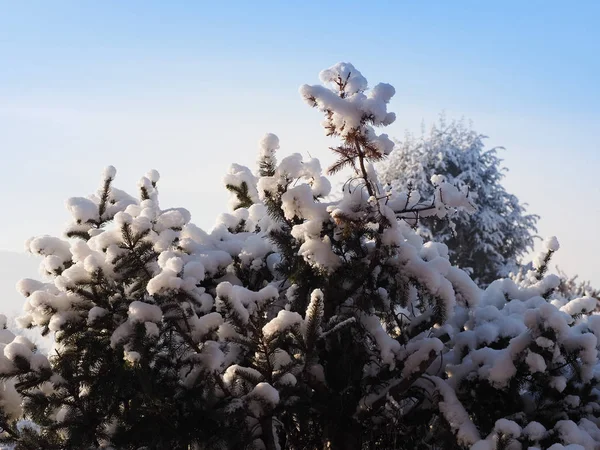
(487, 242)
(572, 287)
(295, 323)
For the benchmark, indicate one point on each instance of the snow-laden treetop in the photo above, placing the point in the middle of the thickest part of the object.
(350, 107)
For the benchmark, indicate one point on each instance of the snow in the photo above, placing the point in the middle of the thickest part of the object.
(211, 357)
(268, 145)
(241, 300)
(95, 313)
(153, 176)
(314, 311)
(170, 219)
(355, 82)
(572, 400)
(27, 286)
(166, 280)
(507, 427)
(579, 306)
(456, 415)
(16, 350)
(422, 354)
(131, 357)
(503, 368)
(535, 362)
(39, 362)
(566, 447)
(205, 324)
(281, 323)
(109, 173)
(152, 330)
(570, 433)
(82, 209)
(388, 347)
(534, 431)
(280, 359)
(559, 383)
(122, 218)
(345, 104)
(287, 380)
(238, 176)
(318, 252)
(552, 244)
(144, 312)
(10, 400)
(483, 445)
(232, 373)
(265, 392)
(49, 246)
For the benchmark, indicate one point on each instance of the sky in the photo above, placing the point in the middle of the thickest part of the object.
(190, 87)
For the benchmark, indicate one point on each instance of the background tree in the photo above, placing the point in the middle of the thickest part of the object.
(572, 287)
(488, 242)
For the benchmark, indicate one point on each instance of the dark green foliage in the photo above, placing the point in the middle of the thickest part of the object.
(244, 200)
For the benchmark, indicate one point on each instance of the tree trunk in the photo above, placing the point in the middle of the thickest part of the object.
(268, 436)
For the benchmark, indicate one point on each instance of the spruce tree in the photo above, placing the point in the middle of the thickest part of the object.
(295, 323)
(524, 366)
(572, 287)
(487, 242)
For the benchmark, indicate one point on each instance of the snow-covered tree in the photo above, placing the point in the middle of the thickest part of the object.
(295, 323)
(571, 287)
(524, 366)
(487, 242)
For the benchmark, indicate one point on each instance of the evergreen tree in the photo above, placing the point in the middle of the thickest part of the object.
(488, 242)
(524, 366)
(294, 323)
(571, 287)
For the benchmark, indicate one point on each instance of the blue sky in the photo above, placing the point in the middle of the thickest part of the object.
(189, 87)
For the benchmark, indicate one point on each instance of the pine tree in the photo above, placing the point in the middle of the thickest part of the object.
(295, 323)
(487, 242)
(572, 287)
(524, 366)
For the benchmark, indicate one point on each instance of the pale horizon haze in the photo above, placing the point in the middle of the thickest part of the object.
(188, 88)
